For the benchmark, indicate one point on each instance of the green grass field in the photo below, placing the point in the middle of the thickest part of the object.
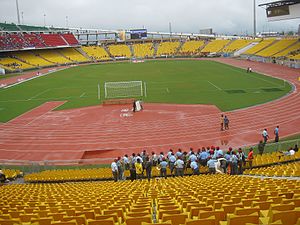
(182, 82)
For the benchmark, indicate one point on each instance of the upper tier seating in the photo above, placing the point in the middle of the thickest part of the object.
(167, 48)
(70, 38)
(215, 46)
(260, 46)
(96, 52)
(73, 55)
(119, 51)
(277, 47)
(53, 40)
(223, 199)
(35, 40)
(191, 47)
(143, 50)
(236, 45)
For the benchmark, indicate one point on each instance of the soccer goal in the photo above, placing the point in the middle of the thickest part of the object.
(123, 89)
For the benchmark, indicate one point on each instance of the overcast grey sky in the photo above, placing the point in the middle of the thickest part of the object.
(224, 16)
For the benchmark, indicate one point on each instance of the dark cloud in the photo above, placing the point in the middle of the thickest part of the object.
(224, 16)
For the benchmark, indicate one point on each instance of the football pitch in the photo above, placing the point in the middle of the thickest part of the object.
(175, 81)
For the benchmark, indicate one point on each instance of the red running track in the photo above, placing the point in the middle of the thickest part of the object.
(110, 131)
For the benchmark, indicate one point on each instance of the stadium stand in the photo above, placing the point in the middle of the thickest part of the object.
(297, 56)
(274, 157)
(285, 52)
(276, 47)
(9, 27)
(12, 174)
(167, 48)
(143, 50)
(289, 170)
(260, 46)
(32, 28)
(70, 39)
(13, 64)
(215, 46)
(73, 54)
(30, 58)
(96, 52)
(236, 45)
(53, 40)
(52, 56)
(191, 200)
(191, 47)
(119, 50)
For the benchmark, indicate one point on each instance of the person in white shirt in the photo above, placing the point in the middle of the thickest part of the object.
(195, 168)
(126, 162)
(265, 135)
(114, 169)
(292, 152)
(172, 160)
(179, 164)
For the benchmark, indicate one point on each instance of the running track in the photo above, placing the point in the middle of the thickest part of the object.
(110, 131)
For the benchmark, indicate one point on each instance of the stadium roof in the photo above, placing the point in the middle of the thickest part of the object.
(280, 3)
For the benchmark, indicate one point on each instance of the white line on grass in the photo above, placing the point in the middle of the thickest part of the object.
(168, 91)
(220, 89)
(39, 94)
(82, 95)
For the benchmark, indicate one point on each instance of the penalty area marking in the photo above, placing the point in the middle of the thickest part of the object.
(220, 89)
(38, 94)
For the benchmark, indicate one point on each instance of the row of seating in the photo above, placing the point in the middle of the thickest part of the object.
(12, 174)
(195, 200)
(289, 170)
(274, 157)
(88, 174)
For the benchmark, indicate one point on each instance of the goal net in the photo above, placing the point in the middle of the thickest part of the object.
(123, 89)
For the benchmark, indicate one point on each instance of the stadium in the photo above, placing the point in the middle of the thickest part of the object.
(135, 126)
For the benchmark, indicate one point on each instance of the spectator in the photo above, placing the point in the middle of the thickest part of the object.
(250, 157)
(265, 135)
(139, 168)
(226, 123)
(241, 160)
(126, 162)
(163, 168)
(291, 151)
(179, 164)
(120, 168)
(211, 163)
(261, 147)
(114, 169)
(276, 133)
(203, 157)
(148, 167)
(154, 159)
(172, 160)
(234, 162)
(296, 148)
(179, 153)
(195, 168)
(222, 122)
(132, 173)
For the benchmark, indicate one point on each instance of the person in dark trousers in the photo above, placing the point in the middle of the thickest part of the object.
(261, 147)
(226, 123)
(276, 133)
(132, 173)
(163, 168)
(134, 106)
(148, 168)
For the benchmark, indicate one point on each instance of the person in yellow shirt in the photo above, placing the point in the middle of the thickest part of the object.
(139, 169)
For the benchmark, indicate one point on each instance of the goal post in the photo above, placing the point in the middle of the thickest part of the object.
(123, 89)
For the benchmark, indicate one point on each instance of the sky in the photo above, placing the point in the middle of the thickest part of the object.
(224, 16)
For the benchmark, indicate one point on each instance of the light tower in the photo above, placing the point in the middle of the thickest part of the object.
(18, 13)
(254, 18)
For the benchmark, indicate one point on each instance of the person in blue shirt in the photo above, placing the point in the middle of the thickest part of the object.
(179, 153)
(276, 133)
(211, 163)
(172, 160)
(195, 168)
(163, 168)
(234, 163)
(203, 157)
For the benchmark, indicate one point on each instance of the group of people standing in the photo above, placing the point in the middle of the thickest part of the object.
(216, 159)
